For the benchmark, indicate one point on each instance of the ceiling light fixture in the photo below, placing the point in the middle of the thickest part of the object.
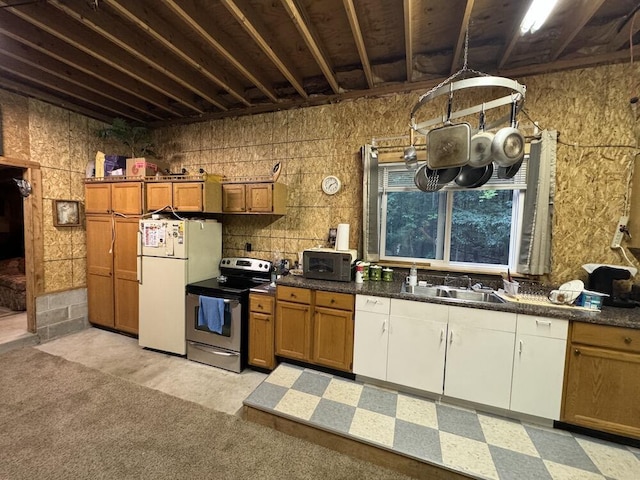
(537, 14)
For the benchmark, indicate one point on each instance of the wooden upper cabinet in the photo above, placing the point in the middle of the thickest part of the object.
(187, 197)
(265, 197)
(159, 195)
(122, 197)
(97, 198)
(126, 197)
(183, 196)
(259, 197)
(233, 198)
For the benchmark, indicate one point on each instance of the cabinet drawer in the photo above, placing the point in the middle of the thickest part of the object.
(293, 294)
(366, 303)
(625, 339)
(342, 301)
(419, 310)
(487, 319)
(261, 303)
(543, 326)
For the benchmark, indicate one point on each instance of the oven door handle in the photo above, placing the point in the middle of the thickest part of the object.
(213, 350)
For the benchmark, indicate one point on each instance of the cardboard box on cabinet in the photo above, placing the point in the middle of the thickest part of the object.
(141, 167)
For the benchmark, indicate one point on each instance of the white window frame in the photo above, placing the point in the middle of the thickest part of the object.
(446, 208)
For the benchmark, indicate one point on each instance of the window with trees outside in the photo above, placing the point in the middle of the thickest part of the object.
(477, 227)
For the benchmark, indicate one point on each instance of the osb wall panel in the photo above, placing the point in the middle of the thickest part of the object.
(590, 108)
(63, 143)
(15, 125)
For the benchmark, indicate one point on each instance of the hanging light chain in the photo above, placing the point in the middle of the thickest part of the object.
(464, 69)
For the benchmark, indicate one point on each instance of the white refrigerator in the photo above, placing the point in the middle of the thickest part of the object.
(172, 254)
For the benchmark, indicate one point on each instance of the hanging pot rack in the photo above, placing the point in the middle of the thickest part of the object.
(516, 95)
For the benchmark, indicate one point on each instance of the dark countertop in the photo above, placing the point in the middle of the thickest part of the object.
(619, 317)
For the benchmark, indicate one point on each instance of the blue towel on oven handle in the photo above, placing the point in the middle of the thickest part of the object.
(211, 313)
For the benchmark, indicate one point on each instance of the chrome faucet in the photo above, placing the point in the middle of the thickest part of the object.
(467, 279)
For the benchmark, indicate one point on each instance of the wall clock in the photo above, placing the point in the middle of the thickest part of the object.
(331, 185)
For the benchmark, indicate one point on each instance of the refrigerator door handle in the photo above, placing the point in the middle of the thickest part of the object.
(139, 272)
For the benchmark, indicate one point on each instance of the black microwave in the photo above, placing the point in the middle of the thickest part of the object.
(327, 264)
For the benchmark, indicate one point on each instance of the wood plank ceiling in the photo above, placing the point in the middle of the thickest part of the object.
(170, 61)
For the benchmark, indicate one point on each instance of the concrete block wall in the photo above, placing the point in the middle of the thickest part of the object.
(61, 313)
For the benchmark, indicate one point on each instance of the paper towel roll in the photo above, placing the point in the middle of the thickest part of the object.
(342, 237)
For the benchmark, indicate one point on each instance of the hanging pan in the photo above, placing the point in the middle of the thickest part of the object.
(509, 172)
(507, 147)
(480, 152)
(411, 154)
(430, 180)
(474, 177)
(448, 146)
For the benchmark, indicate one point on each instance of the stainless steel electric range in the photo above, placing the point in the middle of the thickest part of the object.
(227, 347)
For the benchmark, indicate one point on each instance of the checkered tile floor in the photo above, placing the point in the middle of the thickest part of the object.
(483, 445)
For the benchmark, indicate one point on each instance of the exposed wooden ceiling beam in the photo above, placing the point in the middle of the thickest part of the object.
(515, 34)
(77, 38)
(580, 15)
(300, 19)
(569, 64)
(241, 11)
(408, 37)
(460, 43)
(51, 66)
(413, 87)
(26, 90)
(41, 41)
(190, 12)
(46, 81)
(357, 36)
(158, 28)
(129, 40)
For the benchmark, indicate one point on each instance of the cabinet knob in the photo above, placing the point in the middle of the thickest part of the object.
(628, 339)
(260, 307)
(577, 351)
(293, 295)
(333, 300)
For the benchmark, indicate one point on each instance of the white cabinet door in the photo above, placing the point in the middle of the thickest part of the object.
(538, 366)
(416, 353)
(370, 344)
(417, 344)
(479, 364)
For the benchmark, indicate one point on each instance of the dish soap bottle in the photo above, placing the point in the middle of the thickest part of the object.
(413, 275)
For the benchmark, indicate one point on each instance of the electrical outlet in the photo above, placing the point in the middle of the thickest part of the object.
(621, 228)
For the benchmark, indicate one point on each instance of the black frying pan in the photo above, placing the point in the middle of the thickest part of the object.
(473, 177)
(509, 172)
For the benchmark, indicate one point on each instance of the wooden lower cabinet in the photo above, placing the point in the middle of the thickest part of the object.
(293, 323)
(315, 327)
(602, 380)
(112, 282)
(261, 331)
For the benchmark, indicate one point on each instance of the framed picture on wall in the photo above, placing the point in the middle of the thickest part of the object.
(66, 213)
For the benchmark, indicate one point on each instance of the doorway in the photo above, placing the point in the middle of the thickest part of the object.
(21, 247)
(13, 308)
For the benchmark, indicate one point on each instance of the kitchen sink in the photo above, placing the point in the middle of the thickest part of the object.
(461, 294)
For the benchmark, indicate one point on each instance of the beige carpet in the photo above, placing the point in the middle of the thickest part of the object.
(62, 420)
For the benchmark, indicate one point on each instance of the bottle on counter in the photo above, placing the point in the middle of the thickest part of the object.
(413, 275)
(359, 273)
